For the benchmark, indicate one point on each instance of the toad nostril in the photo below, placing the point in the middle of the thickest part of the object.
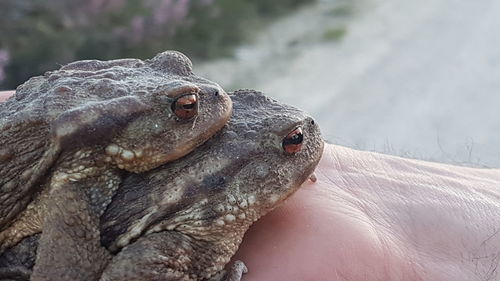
(216, 93)
(312, 122)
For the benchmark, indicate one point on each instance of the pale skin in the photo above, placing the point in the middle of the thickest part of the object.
(373, 217)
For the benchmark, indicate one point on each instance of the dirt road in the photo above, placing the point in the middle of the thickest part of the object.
(413, 78)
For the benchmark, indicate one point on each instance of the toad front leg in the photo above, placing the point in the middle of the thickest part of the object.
(171, 255)
(81, 187)
(69, 247)
(234, 274)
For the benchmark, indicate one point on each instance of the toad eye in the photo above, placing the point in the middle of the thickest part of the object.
(185, 106)
(292, 143)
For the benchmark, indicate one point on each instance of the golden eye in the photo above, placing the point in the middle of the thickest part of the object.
(186, 106)
(292, 143)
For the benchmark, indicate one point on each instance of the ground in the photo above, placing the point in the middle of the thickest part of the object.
(413, 78)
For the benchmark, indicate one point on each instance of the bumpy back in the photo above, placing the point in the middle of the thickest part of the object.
(27, 151)
(23, 141)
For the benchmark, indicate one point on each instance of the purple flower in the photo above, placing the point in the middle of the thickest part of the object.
(4, 60)
(137, 27)
(162, 11)
(180, 10)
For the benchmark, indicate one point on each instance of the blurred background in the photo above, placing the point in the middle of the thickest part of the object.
(416, 78)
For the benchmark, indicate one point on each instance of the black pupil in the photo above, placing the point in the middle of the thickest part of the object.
(295, 139)
(188, 106)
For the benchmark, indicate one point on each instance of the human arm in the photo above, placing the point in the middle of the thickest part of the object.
(378, 217)
(5, 94)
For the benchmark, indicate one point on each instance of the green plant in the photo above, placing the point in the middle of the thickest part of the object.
(37, 35)
(334, 34)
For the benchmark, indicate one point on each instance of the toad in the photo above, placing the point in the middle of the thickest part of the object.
(185, 220)
(70, 136)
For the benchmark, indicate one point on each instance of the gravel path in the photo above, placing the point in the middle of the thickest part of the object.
(418, 78)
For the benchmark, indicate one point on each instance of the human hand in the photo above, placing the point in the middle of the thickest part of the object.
(378, 217)
(5, 94)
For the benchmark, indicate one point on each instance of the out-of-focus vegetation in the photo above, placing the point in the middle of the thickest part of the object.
(334, 34)
(39, 35)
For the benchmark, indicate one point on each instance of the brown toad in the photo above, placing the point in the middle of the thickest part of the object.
(184, 220)
(68, 138)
